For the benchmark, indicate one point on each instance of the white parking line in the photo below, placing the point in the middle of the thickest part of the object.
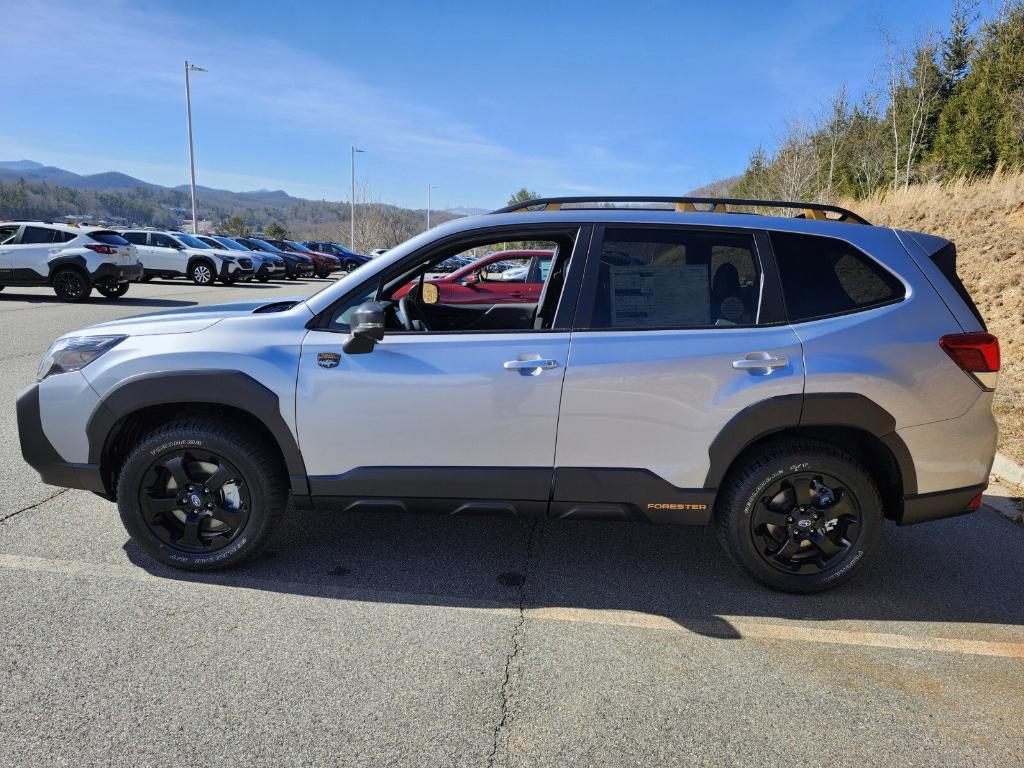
(723, 626)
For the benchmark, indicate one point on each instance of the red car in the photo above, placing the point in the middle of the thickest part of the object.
(515, 277)
(323, 263)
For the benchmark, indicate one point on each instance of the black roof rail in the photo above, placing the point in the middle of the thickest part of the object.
(818, 211)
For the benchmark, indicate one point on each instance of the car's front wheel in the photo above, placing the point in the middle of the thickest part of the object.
(201, 273)
(799, 515)
(113, 290)
(199, 494)
(351, 266)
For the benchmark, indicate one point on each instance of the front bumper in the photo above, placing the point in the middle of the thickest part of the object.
(43, 457)
(234, 271)
(109, 274)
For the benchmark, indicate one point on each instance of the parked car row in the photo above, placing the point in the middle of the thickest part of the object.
(75, 259)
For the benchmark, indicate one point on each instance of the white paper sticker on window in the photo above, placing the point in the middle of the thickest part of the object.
(673, 296)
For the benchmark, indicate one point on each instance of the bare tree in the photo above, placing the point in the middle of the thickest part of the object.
(834, 126)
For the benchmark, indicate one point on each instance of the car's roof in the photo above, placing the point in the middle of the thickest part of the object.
(75, 228)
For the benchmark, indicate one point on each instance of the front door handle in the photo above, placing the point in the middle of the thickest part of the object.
(759, 360)
(531, 365)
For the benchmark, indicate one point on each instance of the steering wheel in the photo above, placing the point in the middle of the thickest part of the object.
(404, 306)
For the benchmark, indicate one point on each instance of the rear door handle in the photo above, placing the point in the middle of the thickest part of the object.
(530, 365)
(756, 360)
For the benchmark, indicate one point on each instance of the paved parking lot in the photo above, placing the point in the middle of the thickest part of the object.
(401, 640)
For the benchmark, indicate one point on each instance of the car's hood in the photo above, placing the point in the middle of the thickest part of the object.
(185, 319)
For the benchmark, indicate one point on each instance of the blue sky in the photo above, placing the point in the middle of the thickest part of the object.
(476, 98)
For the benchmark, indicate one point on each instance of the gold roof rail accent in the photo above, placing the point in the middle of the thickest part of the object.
(813, 211)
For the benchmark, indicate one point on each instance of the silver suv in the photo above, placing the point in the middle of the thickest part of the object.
(793, 381)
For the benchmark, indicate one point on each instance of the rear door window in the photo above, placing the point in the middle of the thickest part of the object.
(33, 235)
(823, 276)
(672, 277)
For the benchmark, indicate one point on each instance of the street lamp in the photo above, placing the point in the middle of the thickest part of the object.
(352, 213)
(429, 187)
(191, 152)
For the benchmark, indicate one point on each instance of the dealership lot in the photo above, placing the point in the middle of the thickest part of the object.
(394, 639)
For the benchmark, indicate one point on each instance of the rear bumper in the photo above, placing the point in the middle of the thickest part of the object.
(106, 274)
(43, 457)
(925, 507)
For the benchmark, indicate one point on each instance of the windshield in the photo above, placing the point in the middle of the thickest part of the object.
(227, 242)
(191, 242)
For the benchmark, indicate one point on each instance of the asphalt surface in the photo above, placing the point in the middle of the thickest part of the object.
(383, 639)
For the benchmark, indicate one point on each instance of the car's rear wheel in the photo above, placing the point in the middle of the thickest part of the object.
(113, 290)
(201, 273)
(799, 515)
(71, 284)
(199, 494)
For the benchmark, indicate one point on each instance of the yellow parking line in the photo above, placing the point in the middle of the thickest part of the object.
(735, 627)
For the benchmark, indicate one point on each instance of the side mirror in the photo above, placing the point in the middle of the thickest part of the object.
(472, 278)
(367, 328)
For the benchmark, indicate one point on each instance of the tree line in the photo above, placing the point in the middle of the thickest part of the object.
(949, 105)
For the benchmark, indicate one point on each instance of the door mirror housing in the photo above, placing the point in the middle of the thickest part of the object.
(367, 326)
(473, 278)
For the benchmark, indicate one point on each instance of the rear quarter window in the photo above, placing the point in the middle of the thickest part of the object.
(822, 277)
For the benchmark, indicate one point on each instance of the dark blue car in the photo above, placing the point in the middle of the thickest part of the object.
(350, 260)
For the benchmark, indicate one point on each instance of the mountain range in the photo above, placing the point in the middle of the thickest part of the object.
(32, 190)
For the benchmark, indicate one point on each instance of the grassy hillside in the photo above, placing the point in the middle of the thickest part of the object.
(985, 218)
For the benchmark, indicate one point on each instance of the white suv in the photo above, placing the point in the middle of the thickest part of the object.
(170, 254)
(72, 259)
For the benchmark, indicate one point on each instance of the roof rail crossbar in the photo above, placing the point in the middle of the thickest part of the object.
(818, 211)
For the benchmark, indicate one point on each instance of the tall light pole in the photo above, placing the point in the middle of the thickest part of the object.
(191, 152)
(429, 188)
(352, 212)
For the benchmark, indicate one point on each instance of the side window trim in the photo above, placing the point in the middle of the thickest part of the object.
(771, 309)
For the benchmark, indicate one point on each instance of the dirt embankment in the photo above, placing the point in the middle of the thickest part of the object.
(985, 218)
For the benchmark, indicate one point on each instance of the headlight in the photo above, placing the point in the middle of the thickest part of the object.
(74, 353)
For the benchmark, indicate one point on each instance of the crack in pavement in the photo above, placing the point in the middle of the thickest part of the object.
(39, 503)
(501, 729)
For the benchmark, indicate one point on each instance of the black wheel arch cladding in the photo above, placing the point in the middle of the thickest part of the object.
(229, 388)
(817, 410)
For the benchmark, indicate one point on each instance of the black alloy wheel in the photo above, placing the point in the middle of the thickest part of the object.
(71, 285)
(194, 501)
(799, 515)
(805, 523)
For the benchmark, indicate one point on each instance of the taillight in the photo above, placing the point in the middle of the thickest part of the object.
(975, 353)
(108, 250)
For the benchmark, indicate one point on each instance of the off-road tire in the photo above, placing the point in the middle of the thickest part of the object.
(763, 469)
(255, 460)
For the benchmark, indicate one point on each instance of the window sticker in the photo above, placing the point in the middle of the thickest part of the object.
(660, 296)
